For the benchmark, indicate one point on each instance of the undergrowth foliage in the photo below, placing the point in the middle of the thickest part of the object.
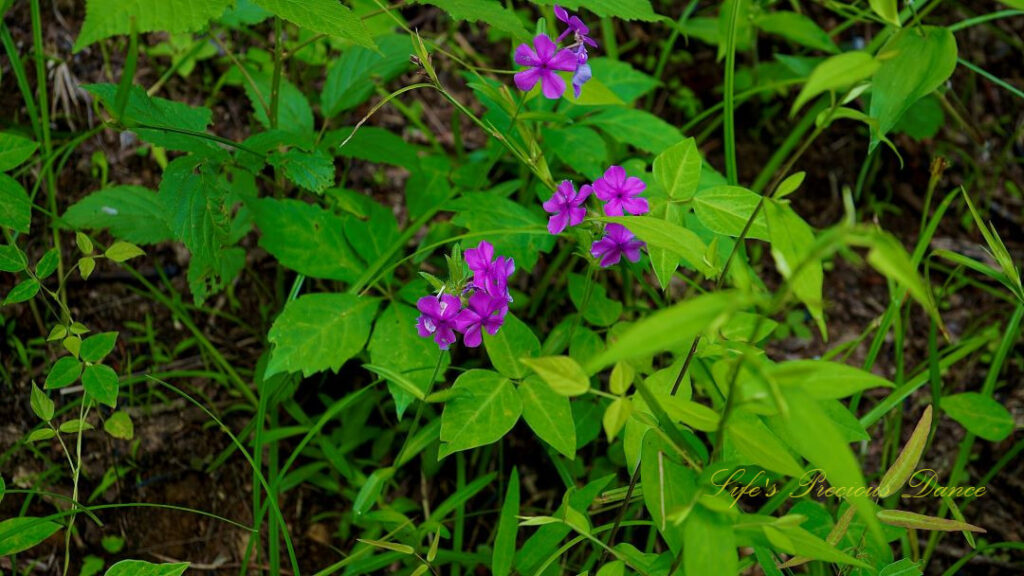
(629, 332)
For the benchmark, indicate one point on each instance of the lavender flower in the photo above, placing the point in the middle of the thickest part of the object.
(543, 61)
(621, 193)
(567, 206)
(490, 275)
(576, 27)
(483, 313)
(582, 73)
(618, 240)
(438, 317)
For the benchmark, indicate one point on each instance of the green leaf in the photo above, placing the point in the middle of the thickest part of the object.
(490, 12)
(75, 426)
(12, 259)
(913, 65)
(84, 243)
(905, 567)
(121, 251)
(14, 150)
(922, 522)
(665, 262)
(677, 169)
(119, 425)
(320, 332)
(791, 243)
(26, 290)
(15, 207)
(374, 144)
(620, 77)
(306, 238)
(47, 264)
(668, 486)
(621, 9)
(822, 379)
(65, 371)
(404, 549)
(797, 28)
(663, 234)
(903, 468)
(796, 541)
(483, 212)
(713, 536)
(352, 78)
(96, 347)
(508, 526)
(888, 10)
(760, 445)
(41, 435)
(100, 382)
(132, 213)
(313, 171)
(598, 310)
(980, 415)
(670, 328)
(20, 534)
(615, 416)
(888, 256)
(561, 373)
(515, 340)
(396, 346)
(637, 128)
(370, 491)
(483, 407)
(549, 415)
(140, 568)
(837, 73)
(105, 18)
(85, 266)
(41, 404)
(581, 148)
(321, 17)
(726, 210)
(594, 94)
(164, 119)
(294, 115)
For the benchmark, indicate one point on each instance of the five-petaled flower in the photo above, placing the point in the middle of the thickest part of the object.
(483, 313)
(566, 205)
(490, 275)
(543, 61)
(618, 240)
(621, 193)
(438, 316)
(581, 39)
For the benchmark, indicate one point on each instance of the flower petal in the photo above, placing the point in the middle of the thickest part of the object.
(635, 206)
(527, 79)
(551, 85)
(558, 222)
(429, 306)
(615, 175)
(585, 191)
(613, 208)
(604, 190)
(545, 47)
(561, 14)
(472, 337)
(525, 56)
(566, 60)
(632, 250)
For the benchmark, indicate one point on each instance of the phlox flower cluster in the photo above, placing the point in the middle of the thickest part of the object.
(545, 59)
(481, 304)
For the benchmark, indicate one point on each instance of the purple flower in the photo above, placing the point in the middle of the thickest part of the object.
(490, 275)
(621, 193)
(581, 75)
(618, 240)
(567, 206)
(438, 316)
(543, 63)
(576, 27)
(483, 313)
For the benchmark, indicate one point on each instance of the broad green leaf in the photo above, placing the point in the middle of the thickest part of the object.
(906, 463)
(371, 228)
(615, 416)
(489, 12)
(65, 371)
(922, 522)
(396, 346)
(12, 259)
(47, 264)
(549, 415)
(352, 78)
(482, 408)
(40, 435)
(100, 382)
(888, 10)
(132, 213)
(905, 567)
(836, 73)
(594, 93)
(621, 9)
(140, 568)
(561, 373)
(620, 77)
(980, 415)
(596, 309)
(621, 378)
(483, 212)
(306, 238)
(726, 210)
(797, 28)
(677, 169)
(96, 347)
(668, 486)
(14, 150)
(823, 379)
(795, 540)
(105, 18)
(670, 328)
(665, 262)
(25, 290)
(637, 128)
(663, 234)
(20, 534)
(508, 526)
(41, 404)
(914, 64)
(119, 425)
(121, 251)
(321, 17)
(374, 144)
(581, 148)
(789, 185)
(318, 332)
(515, 340)
(791, 243)
(75, 426)
(760, 445)
(313, 171)
(888, 256)
(712, 536)
(294, 115)
(15, 207)
(693, 414)
(163, 119)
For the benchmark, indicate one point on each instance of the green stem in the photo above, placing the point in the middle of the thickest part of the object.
(731, 173)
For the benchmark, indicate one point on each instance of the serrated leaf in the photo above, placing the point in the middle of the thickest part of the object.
(131, 213)
(563, 374)
(14, 150)
(622, 9)
(122, 251)
(313, 171)
(483, 407)
(980, 415)
(65, 371)
(351, 79)
(20, 534)
(97, 346)
(119, 425)
(549, 415)
(105, 18)
(903, 468)
(140, 568)
(15, 206)
(321, 17)
(487, 11)
(100, 382)
(320, 332)
(306, 238)
(160, 121)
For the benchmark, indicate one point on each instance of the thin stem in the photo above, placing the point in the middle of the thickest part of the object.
(731, 173)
